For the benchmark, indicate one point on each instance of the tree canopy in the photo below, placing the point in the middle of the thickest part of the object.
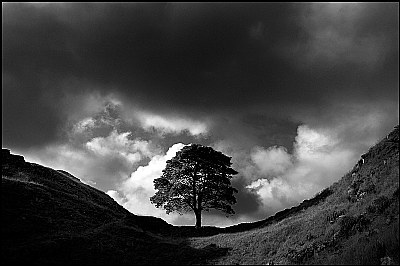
(197, 179)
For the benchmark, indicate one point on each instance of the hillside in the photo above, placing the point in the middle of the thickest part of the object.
(50, 216)
(354, 221)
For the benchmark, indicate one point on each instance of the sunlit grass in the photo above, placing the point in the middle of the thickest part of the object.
(335, 231)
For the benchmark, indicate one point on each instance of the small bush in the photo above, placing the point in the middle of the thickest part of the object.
(346, 225)
(299, 256)
(355, 184)
(335, 215)
(379, 205)
(368, 187)
(362, 223)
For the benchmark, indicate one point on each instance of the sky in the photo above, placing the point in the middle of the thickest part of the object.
(294, 93)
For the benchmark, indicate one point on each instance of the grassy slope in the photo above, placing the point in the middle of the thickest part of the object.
(347, 227)
(49, 216)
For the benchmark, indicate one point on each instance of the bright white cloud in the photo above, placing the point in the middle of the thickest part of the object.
(119, 144)
(274, 160)
(285, 179)
(116, 196)
(139, 187)
(276, 194)
(174, 125)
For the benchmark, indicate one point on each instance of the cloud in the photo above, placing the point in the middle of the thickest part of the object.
(102, 160)
(139, 187)
(84, 125)
(102, 171)
(173, 125)
(274, 160)
(275, 195)
(190, 60)
(116, 196)
(317, 161)
(341, 33)
(118, 144)
(272, 178)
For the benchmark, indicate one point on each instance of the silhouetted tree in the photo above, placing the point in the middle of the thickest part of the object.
(197, 179)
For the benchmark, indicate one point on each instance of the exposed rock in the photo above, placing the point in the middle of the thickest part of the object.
(387, 261)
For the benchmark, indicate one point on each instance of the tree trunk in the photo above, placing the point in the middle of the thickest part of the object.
(198, 218)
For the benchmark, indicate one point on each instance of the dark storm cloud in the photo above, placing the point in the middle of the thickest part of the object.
(180, 57)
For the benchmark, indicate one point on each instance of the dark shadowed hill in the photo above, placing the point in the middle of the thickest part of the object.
(50, 216)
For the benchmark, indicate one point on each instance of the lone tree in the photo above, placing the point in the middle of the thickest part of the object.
(197, 179)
